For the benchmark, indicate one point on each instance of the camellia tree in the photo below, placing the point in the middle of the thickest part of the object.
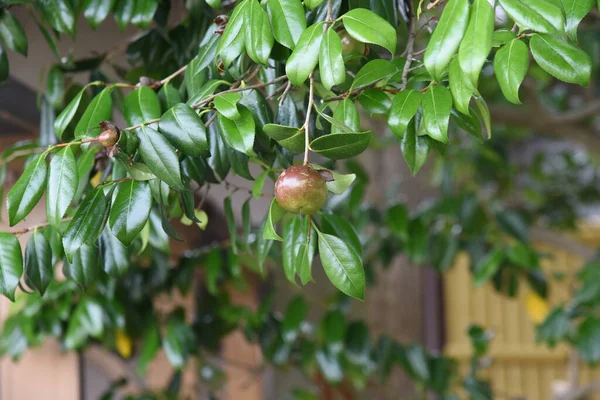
(283, 84)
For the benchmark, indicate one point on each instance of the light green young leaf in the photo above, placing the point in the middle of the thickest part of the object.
(404, 107)
(312, 4)
(461, 86)
(273, 216)
(99, 109)
(62, 186)
(11, 264)
(501, 37)
(288, 20)
(446, 37)
(477, 41)
(436, 105)
(239, 134)
(538, 15)
(130, 210)
(338, 146)
(39, 270)
(27, 191)
(305, 56)
(368, 27)
(347, 114)
(342, 265)
(510, 66)
(331, 63)
(184, 129)
(575, 11)
(561, 59)
(226, 104)
(160, 157)
(258, 37)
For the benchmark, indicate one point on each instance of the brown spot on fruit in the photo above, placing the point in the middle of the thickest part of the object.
(300, 189)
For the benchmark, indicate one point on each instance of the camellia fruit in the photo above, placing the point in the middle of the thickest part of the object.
(351, 45)
(301, 189)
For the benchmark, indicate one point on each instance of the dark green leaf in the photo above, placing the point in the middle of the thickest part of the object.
(561, 59)
(513, 224)
(65, 117)
(446, 37)
(347, 114)
(84, 267)
(437, 104)
(293, 318)
(239, 134)
(27, 191)
(4, 68)
(194, 78)
(288, 137)
(259, 36)
(487, 267)
(288, 21)
(368, 27)
(149, 349)
(342, 265)
(231, 44)
(39, 270)
(305, 56)
(123, 12)
(115, 257)
(461, 87)
(415, 149)
(63, 181)
(141, 105)
(510, 66)
(341, 228)
(55, 86)
(588, 340)
(58, 13)
(273, 216)
(96, 11)
(231, 226)
(178, 342)
(226, 104)
(373, 72)
(331, 63)
(160, 157)
(130, 210)
(169, 96)
(477, 41)
(397, 219)
(375, 101)
(185, 130)
(99, 109)
(404, 107)
(143, 12)
(87, 320)
(555, 328)
(11, 33)
(341, 145)
(537, 15)
(11, 264)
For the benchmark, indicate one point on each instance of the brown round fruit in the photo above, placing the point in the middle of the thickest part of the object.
(108, 138)
(351, 45)
(300, 189)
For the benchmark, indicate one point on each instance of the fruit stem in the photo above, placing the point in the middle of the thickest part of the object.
(307, 121)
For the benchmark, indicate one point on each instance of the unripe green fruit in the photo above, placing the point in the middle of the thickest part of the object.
(351, 45)
(300, 189)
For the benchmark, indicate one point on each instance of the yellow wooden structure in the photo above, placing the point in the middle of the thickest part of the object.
(520, 369)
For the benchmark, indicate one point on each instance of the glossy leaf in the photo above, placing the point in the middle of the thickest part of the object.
(87, 223)
(575, 11)
(239, 134)
(11, 264)
(65, 117)
(288, 21)
(226, 104)
(347, 114)
(12, 33)
(59, 14)
(331, 63)
(537, 15)
(341, 228)
(305, 56)
(184, 129)
(477, 41)
(561, 59)
(258, 36)
(96, 11)
(341, 145)
(404, 107)
(368, 27)
(342, 265)
(99, 109)
(63, 180)
(149, 348)
(143, 12)
(115, 257)
(130, 210)
(501, 37)
(373, 72)
(123, 12)
(84, 266)
(27, 191)
(160, 157)
(437, 104)
(446, 37)
(273, 216)
(510, 66)
(231, 44)
(55, 86)
(231, 226)
(288, 137)
(415, 149)
(169, 96)
(461, 87)
(141, 105)
(487, 267)
(39, 270)
(374, 101)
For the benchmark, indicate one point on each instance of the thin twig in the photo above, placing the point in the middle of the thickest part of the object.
(288, 85)
(173, 75)
(409, 47)
(19, 232)
(307, 121)
(432, 5)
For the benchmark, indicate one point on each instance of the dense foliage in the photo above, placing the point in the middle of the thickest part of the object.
(238, 83)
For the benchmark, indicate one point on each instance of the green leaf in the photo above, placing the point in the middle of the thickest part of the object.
(375, 101)
(372, 72)
(288, 21)
(141, 105)
(575, 11)
(259, 36)
(341, 228)
(11, 264)
(477, 41)
(39, 270)
(340, 182)
(231, 226)
(293, 318)
(169, 96)
(149, 348)
(84, 267)
(487, 267)
(115, 256)
(99, 109)
(287, 136)
(482, 113)
(88, 222)
(510, 66)
(4, 68)
(341, 145)
(415, 149)
(194, 78)
(555, 328)
(514, 224)
(446, 37)
(205, 91)
(65, 117)
(59, 14)
(130, 210)
(342, 265)
(160, 157)
(561, 59)
(55, 86)
(404, 107)
(178, 342)
(259, 183)
(239, 134)
(184, 129)
(305, 56)
(461, 87)
(63, 181)
(347, 114)
(501, 37)
(294, 233)
(124, 12)
(331, 63)
(231, 44)
(96, 11)
(436, 105)
(12, 33)
(587, 342)
(368, 27)
(226, 104)
(312, 4)
(144, 12)
(537, 15)
(27, 191)
(273, 216)
(214, 3)
(397, 219)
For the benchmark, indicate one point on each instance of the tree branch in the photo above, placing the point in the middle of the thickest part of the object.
(410, 46)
